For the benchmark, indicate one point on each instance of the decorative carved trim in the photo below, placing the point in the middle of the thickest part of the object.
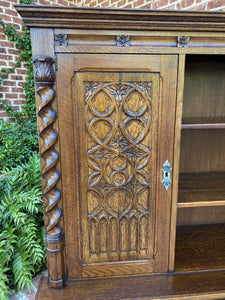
(45, 78)
(61, 39)
(123, 40)
(183, 41)
(121, 19)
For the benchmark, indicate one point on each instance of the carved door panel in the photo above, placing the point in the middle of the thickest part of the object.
(118, 178)
(118, 211)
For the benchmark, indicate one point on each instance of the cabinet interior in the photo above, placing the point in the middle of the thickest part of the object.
(200, 233)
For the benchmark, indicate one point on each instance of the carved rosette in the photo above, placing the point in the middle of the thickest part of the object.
(61, 39)
(45, 78)
(183, 41)
(123, 40)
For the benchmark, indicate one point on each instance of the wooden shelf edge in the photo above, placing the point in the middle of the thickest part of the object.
(204, 285)
(204, 126)
(201, 204)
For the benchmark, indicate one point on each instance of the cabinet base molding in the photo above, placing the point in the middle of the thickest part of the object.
(199, 285)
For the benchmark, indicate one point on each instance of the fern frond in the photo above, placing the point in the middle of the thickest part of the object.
(21, 225)
(7, 242)
(30, 200)
(22, 270)
(4, 288)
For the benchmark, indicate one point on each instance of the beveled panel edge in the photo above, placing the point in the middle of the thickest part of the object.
(108, 18)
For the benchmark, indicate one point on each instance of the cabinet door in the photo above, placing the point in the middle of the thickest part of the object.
(118, 113)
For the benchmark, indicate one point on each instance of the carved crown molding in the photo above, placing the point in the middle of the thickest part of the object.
(129, 19)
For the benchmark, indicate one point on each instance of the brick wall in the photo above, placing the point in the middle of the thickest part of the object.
(11, 90)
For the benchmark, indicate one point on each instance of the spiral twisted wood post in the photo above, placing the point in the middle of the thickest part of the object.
(45, 78)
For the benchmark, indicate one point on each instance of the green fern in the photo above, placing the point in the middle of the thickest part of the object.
(4, 289)
(22, 238)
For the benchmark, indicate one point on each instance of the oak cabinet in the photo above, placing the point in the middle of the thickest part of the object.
(131, 120)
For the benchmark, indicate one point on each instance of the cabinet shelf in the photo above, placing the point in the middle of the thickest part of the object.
(201, 190)
(200, 247)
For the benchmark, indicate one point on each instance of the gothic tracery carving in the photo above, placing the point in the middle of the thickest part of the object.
(118, 119)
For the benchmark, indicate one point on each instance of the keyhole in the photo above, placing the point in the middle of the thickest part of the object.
(166, 174)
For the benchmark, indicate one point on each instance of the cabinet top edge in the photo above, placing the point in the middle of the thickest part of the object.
(111, 18)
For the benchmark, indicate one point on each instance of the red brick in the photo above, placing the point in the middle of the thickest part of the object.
(22, 96)
(43, 2)
(16, 77)
(11, 64)
(4, 89)
(13, 51)
(17, 90)
(9, 83)
(93, 4)
(12, 96)
(4, 114)
(11, 12)
(5, 57)
(3, 63)
(2, 50)
(2, 35)
(105, 4)
(138, 3)
(18, 102)
(21, 71)
(4, 4)
(7, 44)
(215, 4)
(62, 2)
(121, 2)
(6, 101)
(17, 20)
(159, 3)
(6, 18)
(185, 4)
(21, 83)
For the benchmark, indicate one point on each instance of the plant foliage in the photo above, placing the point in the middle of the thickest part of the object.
(22, 244)
(22, 233)
(17, 143)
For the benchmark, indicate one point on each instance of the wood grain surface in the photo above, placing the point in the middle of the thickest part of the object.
(208, 285)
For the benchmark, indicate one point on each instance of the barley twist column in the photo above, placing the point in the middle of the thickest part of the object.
(45, 78)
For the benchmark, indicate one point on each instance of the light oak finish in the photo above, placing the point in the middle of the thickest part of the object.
(131, 121)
